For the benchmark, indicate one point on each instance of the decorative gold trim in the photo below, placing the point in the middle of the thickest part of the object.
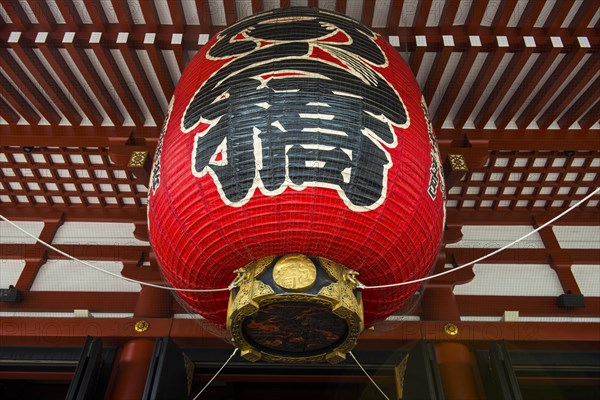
(457, 162)
(451, 329)
(250, 294)
(137, 159)
(399, 374)
(295, 272)
(141, 326)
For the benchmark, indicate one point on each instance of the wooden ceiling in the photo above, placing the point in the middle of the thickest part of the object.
(515, 80)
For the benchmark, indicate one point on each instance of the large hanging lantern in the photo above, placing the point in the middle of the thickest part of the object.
(297, 154)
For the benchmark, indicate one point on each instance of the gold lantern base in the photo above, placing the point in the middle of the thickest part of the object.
(295, 309)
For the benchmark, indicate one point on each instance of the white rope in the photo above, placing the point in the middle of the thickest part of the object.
(562, 214)
(360, 285)
(368, 376)
(108, 272)
(217, 374)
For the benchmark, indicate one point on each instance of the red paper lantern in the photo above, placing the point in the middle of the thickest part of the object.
(296, 131)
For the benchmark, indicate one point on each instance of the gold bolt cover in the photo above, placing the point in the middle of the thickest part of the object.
(451, 329)
(295, 272)
(141, 326)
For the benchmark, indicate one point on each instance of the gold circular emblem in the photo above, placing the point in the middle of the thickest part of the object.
(451, 329)
(295, 272)
(141, 326)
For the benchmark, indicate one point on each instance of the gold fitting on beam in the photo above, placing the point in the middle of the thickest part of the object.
(451, 329)
(141, 326)
(458, 163)
(137, 159)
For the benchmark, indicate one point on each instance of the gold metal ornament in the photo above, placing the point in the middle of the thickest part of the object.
(295, 309)
(137, 159)
(457, 162)
(295, 272)
(141, 326)
(451, 329)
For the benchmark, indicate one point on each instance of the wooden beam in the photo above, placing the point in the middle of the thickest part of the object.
(230, 11)
(504, 11)
(92, 79)
(511, 139)
(479, 86)
(570, 92)
(62, 70)
(35, 258)
(7, 112)
(123, 89)
(473, 21)
(510, 73)
(583, 103)
(550, 87)
(535, 74)
(340, 6)
(455, 85)
(449, 13)
(33, 64)
(73, 331)
(141, 81)
(394, 13)
(17, 102)
(17, 15)
(368, 12)
(29, 89)
(435, 74)
(529, 17)
(590, 117)
(421, 16)
(582, 18)
(581, 217)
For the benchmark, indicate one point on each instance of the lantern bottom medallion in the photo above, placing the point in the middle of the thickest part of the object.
(295, 309)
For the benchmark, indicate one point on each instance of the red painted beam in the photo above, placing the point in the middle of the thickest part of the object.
(204, 15)
(340, 6)
(160, 68)
(435, 74)
(504, 11)
(122, 88)
(421, 16)
(513, 69)
(526, 305)
(17, 15)
(570, 92)
(73, 331)
(467, 59)
(18, 102)
(583, 103)
(367, 12)
(591, 116)
(481, 82)
(582, 18)
(529, 17)
(7, 112)
(551, 86)
(449, 13)
(141, 81)
(93, 80)
(473, 21)
(29, 89)
(177, 15)
(230, 11)
(148, 9)
(25, 54)
(394, 16)
(62, 70)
